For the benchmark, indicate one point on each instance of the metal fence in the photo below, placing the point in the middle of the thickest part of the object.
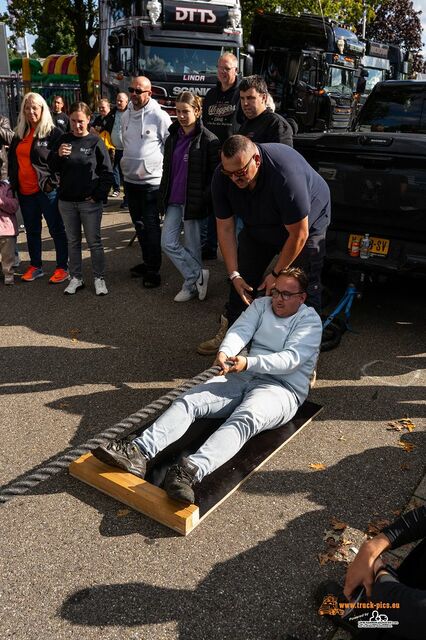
(12, 90)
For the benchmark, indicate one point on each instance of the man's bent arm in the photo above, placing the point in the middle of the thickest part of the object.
(298, 234)
(228, 242)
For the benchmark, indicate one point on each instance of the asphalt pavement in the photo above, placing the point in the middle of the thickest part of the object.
(77, 564)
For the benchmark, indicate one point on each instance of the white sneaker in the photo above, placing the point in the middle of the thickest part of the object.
(202, 283)
(184, 295)
(9, 280)
(100, 287)
(74, 285)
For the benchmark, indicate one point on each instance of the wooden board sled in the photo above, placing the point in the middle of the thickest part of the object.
(147, 497)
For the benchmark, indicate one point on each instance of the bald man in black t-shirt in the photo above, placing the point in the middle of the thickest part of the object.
(285, 207)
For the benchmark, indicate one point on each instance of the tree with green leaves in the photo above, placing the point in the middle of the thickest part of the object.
(397, 22)
(74, 21)
(54, 38)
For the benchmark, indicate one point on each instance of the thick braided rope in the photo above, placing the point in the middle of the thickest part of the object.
(32, 479)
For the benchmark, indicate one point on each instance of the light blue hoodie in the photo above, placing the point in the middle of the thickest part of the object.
(284, 348)
(144, 133)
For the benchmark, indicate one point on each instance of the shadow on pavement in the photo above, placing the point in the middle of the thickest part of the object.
(251, 596)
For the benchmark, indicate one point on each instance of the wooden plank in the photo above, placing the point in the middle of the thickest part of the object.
(135, 493)
(147, 497)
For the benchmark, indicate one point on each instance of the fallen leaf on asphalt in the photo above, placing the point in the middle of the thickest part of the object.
(337, 525)
(73, 334)
(408, 424)
(342, 438)
(407, 446)
(122, 512)
(404, 466)
(317, 466)
(346, 542)
(394, 426)
(397, 512)
(332, 542)
(63, 405)
(324, 558)
(400, 425)
(375, 526)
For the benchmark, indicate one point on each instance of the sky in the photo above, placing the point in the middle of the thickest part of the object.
(421, 5)
(418, 5)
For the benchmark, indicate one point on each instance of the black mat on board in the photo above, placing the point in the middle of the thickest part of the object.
(217, 485)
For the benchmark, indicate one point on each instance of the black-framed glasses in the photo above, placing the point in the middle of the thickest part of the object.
(240, 173)
(138, 92)
(285, 295)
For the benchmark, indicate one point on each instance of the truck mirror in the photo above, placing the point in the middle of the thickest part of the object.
(250, 49)
(248, 66)
(245, 64)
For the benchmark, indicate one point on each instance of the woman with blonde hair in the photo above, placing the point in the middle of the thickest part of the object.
(191, 154)
(35, 184)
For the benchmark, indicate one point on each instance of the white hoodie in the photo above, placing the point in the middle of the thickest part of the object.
(284, 349)
(144, 133)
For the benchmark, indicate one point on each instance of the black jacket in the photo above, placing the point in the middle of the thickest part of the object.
(39, 155)
(86, 172)
(268, 127)
(202, 161)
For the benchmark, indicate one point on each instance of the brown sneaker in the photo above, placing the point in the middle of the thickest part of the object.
(210, 347)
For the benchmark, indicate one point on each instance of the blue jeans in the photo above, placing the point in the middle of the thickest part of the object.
(88, 214)
(33, 207)
(186, 257)
(143, 209)
(249, 403)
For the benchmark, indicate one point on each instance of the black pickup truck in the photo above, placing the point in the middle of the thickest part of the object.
(377, 177)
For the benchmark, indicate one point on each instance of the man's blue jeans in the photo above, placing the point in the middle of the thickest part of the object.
(33, 207)
(250, 404)
(143, 209)
(186, 257)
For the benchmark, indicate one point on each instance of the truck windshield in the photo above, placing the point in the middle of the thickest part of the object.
(177, 60)
(340, 81)
(394, 109)
(374, 76)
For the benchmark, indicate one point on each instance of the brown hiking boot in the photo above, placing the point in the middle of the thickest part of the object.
(210, 347)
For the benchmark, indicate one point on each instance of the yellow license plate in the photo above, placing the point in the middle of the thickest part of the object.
(378, 246)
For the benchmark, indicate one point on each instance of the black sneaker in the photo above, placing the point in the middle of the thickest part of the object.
(179, 480)
(124, 454)
(151, 280)
(138, 270)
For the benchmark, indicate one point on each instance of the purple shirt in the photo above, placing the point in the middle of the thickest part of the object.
(180, 167)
